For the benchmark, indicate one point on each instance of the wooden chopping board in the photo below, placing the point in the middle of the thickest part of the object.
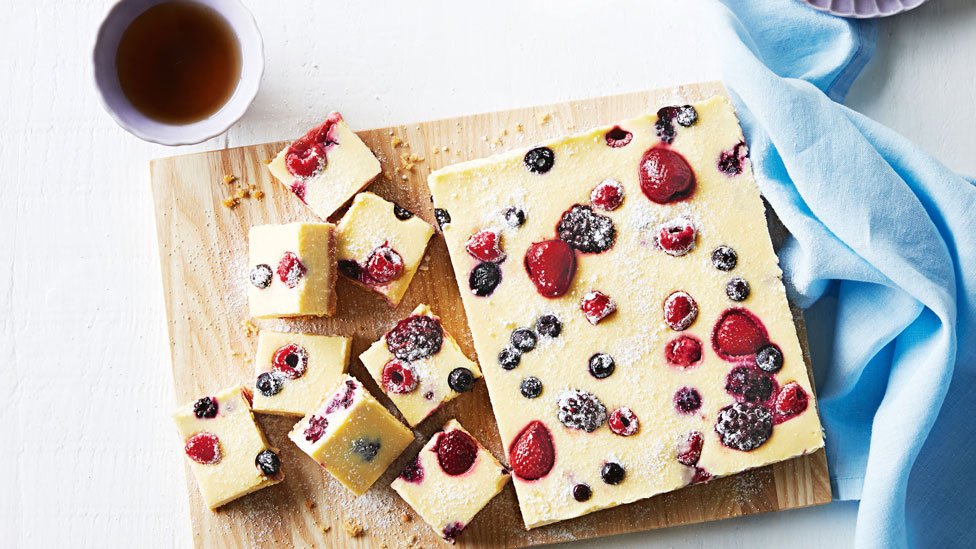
(203, 253)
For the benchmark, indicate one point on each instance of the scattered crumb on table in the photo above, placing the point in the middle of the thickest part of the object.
(543, 118)
(352, 527)
(405, 517)
(310, 505)
(395, 141)
(228, 178)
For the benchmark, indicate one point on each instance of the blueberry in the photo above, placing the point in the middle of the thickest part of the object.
(582, 492)
(443, 218)
(269, 383)
(540, 159)
(268, 462)
(601, 365)
(724, 258)
(524, 339)
(261, 276)
(509, 358)
(531, 387)
(206, 407)
(366, 449)
(515, 217)
(769, 358)
(484, 278)
(548, 326)
(401, 213)
(460, 380)
(686, 116)
(737, 289)
(612, 473)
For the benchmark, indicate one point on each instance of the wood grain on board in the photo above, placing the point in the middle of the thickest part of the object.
(203, 250)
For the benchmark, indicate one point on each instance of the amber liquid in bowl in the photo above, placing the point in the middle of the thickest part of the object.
(178, 62)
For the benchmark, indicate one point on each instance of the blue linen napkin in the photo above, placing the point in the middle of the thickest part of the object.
(883, 253)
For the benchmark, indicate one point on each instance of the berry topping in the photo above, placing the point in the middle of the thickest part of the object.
(290, 269)
(270, 383)
(769, 358)
(749, 384)
(548, 326)
(484, 278)
(305, 157)
(452, 531)
(687, 400)
(531, 387)
(690, 448)
(586, 230)
(730, 162)
(509, 358)
(601, 365)
(401, 213)
(677, 237)
(456, 452)
(540, 160)
(665, 176)
(261, 276)
(203, 448)
(384, 265)
(792, 400)
(582, 492)
(612, 473)
(680, 311)
(724, 258)
(366, 448)
(524, 339)
(206, 407)
(596, 306)
(515, 217)
(460, 380)
(618, 137)
(316, 428)
(443, 218)
(744, 426)
(415, 338)
(551, 266)
(290, 361)
(399, 377)
(700, 475)
(663, 125)
(298, 187)
(531, 453)
(623, 421)
(737, 289)
(608, 195)
(683, 351)
(413, 471)
(351, 269)
(343, 400)
(581, 410)
(268, 462)
(686, 116)
(738, 333)
(486, 246)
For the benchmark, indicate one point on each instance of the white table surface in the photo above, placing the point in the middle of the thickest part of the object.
(91, 454)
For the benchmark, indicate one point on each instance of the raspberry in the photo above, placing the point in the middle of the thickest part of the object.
(298, 187)
(687, 400)
(601, 365)
(548, 326)
(443, 218)
(460, 380)
(769, 358)
(792, 400)
(206, 407)
(305, 157)
(484, 278)
(524, 340)
(623, 421)
(551, 265)
(677, 237)
(290, 269)
(268, 462)
(744, 426)
(701, 475)
(596, 306)
(737, 289)
(384, 265)
(738, 333)
(413, 472)
(683, 351)
(581, 410)
(290, 361)
(531, 454)
(540, 160)
(612, 473)
(261, 276)
(724, 258)
(680, 311)
(515, 217)
(665, 176)
(690, 448)
(586, 230)
(415, 338)
(608, 195)
(203, 448)
(399, 377)
(618, 137)
(486, 246)
(456, 452)
(316, 428)
(749, 384)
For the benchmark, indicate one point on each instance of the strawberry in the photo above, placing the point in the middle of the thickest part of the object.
(456, 452)
(665, 176)
(551, 265)
(532, 454)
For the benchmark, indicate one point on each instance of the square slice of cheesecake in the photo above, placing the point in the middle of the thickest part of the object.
(451, 480)
(419, 365)
(628, 310)
(326, 167)
(292, 270)
(226, 449)
(381, 245)
(293, 371)
(351, 435)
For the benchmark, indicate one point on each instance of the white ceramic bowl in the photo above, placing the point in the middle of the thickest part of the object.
(864, 9)
(143, 127)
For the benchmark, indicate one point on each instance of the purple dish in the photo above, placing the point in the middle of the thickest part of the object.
(863, 8)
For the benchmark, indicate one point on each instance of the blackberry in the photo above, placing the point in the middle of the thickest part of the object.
(586, 230)
(401, 213)
(461, 380)
(582, 492)
(540, 160)
(581, 410)
(749, 384)
(612, 473)
(515, 217)
(366, 449)
(663, 126)
(687, 400)
(769, 358)
(270, 383)
(524, 339)
(737, 289)
(484, 278)
(548, 326)
(531, 387)
(268, 462)
(509, 358)
(415, 338)
(206, 407)
(443, 218)
(724, 258)
(413, 472)
(744, 426)
(601, 365)
(686, 116)
(261, 276)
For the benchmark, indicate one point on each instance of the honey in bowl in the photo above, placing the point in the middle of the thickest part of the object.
(178, 62)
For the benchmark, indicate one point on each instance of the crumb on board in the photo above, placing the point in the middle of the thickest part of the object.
(395, 141)
(267, 161)
(231, 202)
(518, 127)
(324, 528)
(410, 160)
(258, 195)
(249, 328)
(543, 118)
(228, 178)
(310, 505)
(352, 527)
(405, 517)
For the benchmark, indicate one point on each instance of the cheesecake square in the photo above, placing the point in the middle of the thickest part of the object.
(292, 371)
(419, 365)
(627, 310)
(451, 480)
(292, 270)
(326, 167)
(351, 435)
(226, 450)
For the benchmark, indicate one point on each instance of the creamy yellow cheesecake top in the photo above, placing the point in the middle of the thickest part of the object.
(293, 371)
(292, 270)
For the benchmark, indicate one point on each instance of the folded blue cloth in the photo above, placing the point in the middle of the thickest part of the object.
(883, 254)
